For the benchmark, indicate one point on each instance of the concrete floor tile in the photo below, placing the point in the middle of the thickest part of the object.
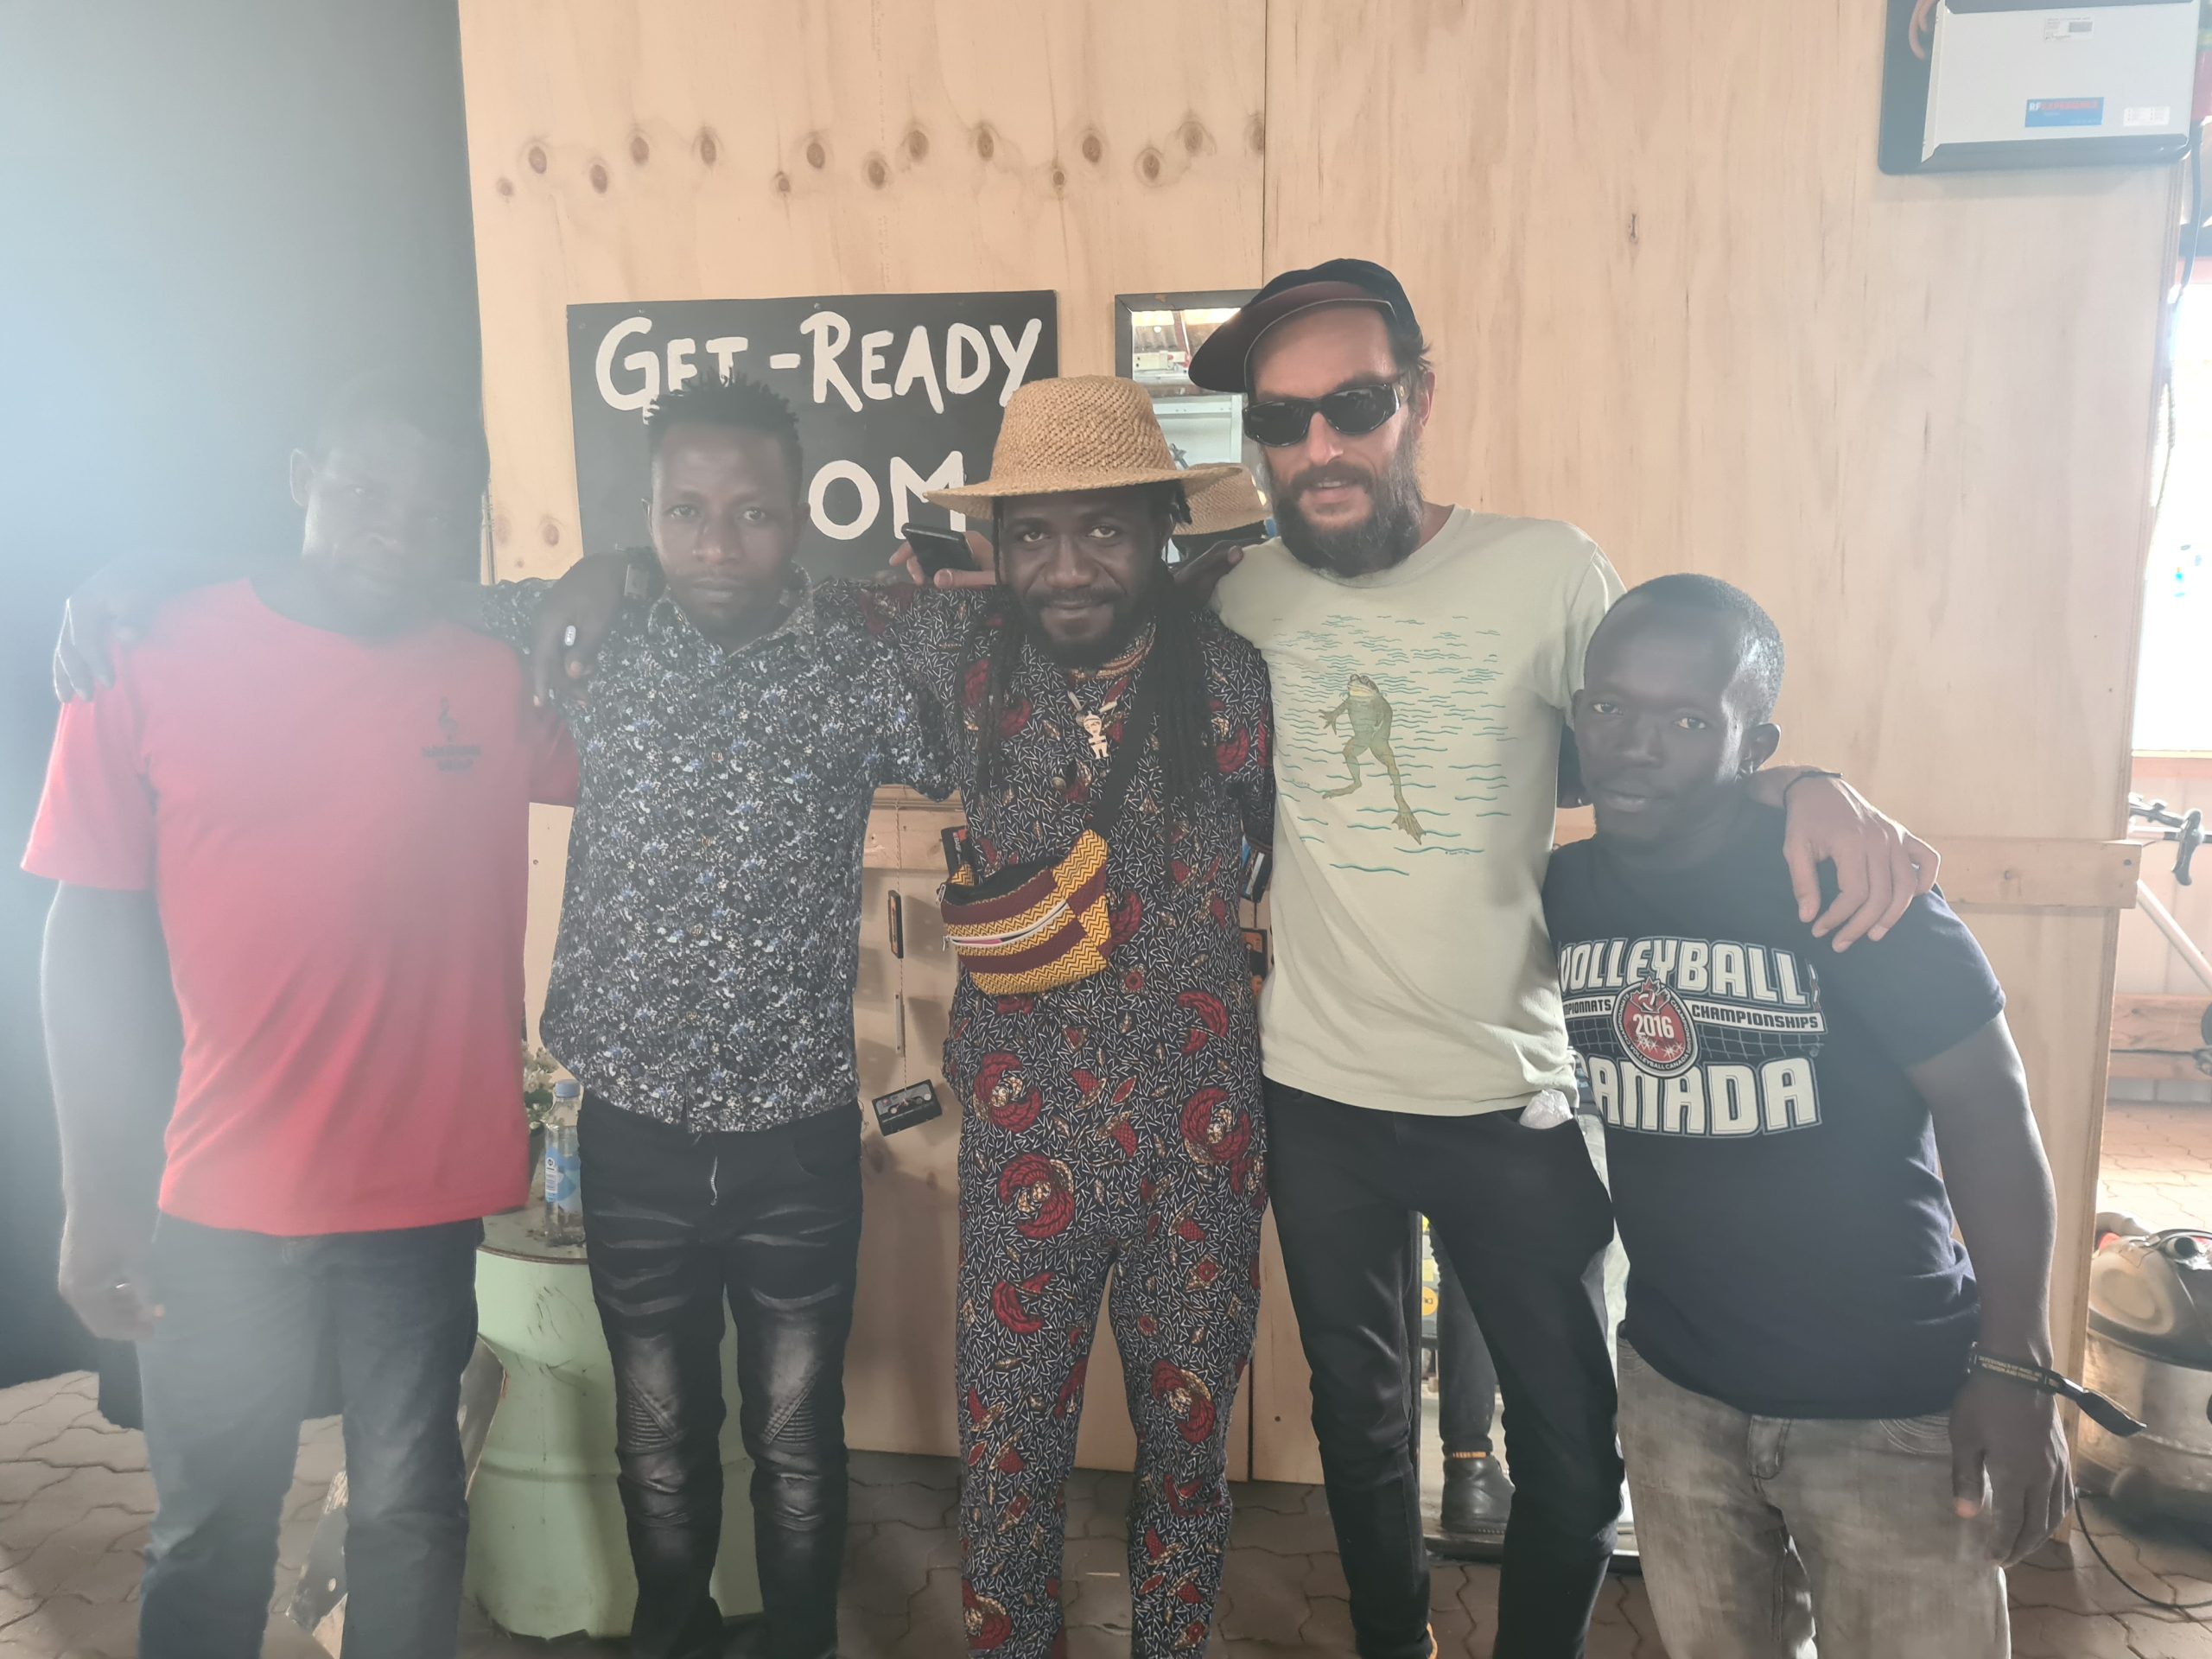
(2053, 1633)
(893, 1468)
(1095, 1584)
(1305, 1533)
(77, 1629)
(926, 1507)
(88, 1444)
(895, 1563)
(1328, 1626)
(1270, 1495)
(1478, 1595)
(935, 1628)
(868, 1636)
(1267, 1597)
(20, 1482)
(2167, 1636)
(1324, 1575)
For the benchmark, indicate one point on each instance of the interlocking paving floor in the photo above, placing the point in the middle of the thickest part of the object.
(75, 1499)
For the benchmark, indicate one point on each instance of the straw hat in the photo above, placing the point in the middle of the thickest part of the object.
(1083, 432)
(1232, 504)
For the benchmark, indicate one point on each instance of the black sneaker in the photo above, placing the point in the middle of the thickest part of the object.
(1478, 1495)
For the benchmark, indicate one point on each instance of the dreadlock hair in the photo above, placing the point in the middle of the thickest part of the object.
(1176, 668)
(730, 400)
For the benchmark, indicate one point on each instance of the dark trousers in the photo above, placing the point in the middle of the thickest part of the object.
(227, 1376)
(1526, 1222)
(1466, 1379)
(678, 1224)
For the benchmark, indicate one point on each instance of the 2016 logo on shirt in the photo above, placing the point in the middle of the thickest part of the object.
(452, 754)
(1650, 1023)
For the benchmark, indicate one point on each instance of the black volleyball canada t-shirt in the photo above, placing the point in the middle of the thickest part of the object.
(1773, 1168)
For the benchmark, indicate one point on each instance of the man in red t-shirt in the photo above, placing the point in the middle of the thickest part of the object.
(298, 818)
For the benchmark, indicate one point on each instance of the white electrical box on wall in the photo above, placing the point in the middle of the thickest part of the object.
(1996, 83)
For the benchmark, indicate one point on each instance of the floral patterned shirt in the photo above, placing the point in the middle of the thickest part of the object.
(1164, 1046)
(709, 937)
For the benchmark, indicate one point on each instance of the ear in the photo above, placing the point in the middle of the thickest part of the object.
(1759, 744)
(1423, 398)
(303, 475)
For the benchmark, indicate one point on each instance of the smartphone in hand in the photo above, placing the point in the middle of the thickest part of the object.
(937, 549)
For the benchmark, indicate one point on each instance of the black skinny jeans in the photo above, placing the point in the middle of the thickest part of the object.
(1526, 1222)
(676, 1224)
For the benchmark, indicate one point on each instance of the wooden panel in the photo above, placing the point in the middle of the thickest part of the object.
(697, 150)
(1282, 1384)
(2159, 1024)
(2057, 970)
(1673, 301)
(898, 1367)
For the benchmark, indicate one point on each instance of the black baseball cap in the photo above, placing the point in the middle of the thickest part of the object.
(1223, 364)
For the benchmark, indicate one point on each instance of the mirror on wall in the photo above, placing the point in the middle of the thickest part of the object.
(1154, 335)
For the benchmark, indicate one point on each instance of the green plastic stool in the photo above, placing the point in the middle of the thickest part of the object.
(548, 1555)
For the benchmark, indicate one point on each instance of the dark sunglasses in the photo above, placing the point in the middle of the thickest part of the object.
(1353, 411)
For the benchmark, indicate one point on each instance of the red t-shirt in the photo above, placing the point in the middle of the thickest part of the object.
(336, 833)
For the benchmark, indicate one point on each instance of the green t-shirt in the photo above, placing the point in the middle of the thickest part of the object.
(1418, 714)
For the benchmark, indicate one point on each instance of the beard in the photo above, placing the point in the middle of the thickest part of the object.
(1386, 537)
(1131, 615)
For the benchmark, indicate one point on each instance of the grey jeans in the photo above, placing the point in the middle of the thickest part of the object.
(1757, 1531)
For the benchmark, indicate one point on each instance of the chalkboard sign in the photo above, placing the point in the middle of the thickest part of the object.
(896, 394)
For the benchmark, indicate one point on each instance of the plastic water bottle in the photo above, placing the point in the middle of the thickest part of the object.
(564, 1200)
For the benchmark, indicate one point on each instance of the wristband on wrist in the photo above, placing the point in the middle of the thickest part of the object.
(2105, 1413)
(1809, 772)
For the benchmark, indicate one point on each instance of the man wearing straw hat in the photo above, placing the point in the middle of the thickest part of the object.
(1107, 1048)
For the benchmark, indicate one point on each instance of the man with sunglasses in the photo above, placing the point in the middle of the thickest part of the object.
(1423, 658)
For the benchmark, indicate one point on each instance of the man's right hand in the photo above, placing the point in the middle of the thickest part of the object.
(103, 1275)
(574, 618)
(107, 610)
(982, 571)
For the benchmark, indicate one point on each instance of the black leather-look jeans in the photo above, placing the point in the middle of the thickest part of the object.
(676, 1223)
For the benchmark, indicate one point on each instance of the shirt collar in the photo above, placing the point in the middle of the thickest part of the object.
(680, 646)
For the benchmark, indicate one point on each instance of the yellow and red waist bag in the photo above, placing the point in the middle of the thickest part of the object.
(1038, 925)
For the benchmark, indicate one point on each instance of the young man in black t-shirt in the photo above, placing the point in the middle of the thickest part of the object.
(1805, 1443)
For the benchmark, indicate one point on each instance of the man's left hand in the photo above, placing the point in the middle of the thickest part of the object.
(2011, 1435)
(1880, 866)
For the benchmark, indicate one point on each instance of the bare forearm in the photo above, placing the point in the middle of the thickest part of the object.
(2001, 1193)
(112, 1043)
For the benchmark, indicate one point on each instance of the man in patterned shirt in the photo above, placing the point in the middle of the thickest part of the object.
(733, 737)
(1113, 1123)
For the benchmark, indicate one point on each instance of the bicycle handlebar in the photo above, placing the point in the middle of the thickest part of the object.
(2186, 832)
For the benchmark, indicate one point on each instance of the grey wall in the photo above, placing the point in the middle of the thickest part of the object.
(209, 214)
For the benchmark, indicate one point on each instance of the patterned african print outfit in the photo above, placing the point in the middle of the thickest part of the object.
(1114, 1123)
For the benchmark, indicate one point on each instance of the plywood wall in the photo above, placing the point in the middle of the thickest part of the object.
(1672, 299)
